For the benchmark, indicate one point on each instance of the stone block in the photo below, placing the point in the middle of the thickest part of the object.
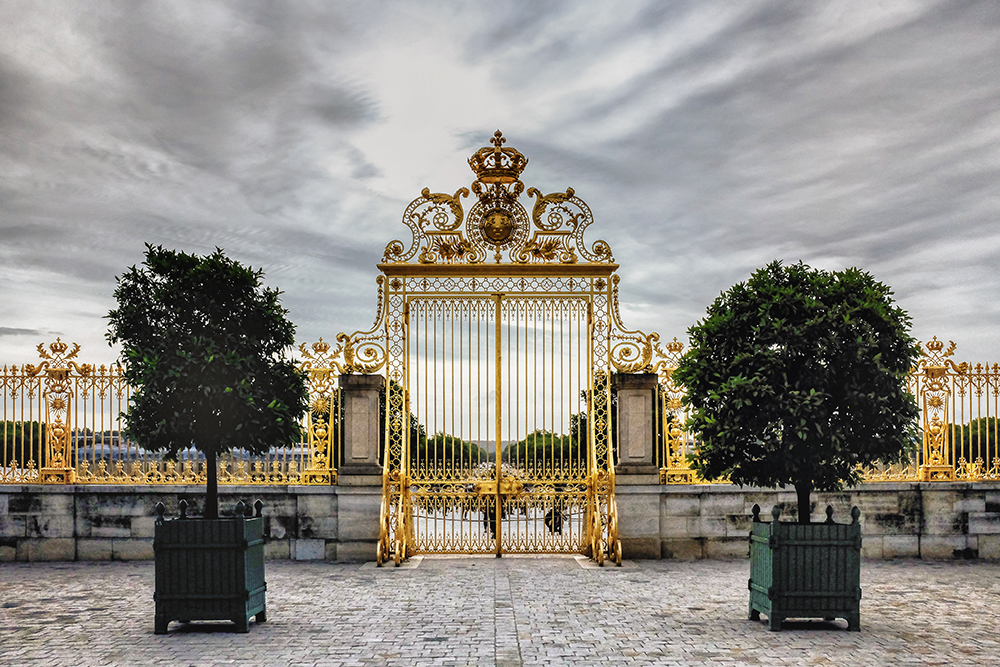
(13, 526)
(728, 547)
(738, 525)
(143, 526)
(639, 514)
(274, 505)
(945, 523)
(992, 499)
(911, 504)
(678, 526)
(840, 502)
(789, 510)
(871, 546)
(358, 515)
(635, 501)
(361, 551)
(765, 499)
(316, 506)
(672, 505)
(711, 526)
(682, 549)
(984, 523)
(94, 549)
(48, 525)
(98, 525)
(989, 547)
(8, 554)
(787, 499)
(3, 504)
(324, 527)
(971, 504)
(721, 504)
(942, 547)
(311, 549)
(887, 524)
(900, 546)
(938, 500)
(24, 503)
(126, 503)
(331, 551)
(875, 502)
(46, 549)
(57, 503)
(281, 527)
(640, 548)
(132, 549)
(277, 550)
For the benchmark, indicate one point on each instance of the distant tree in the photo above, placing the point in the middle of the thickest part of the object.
(22, 441)
(442, 449)
(543, 449)
(797, 377)
(978, 439)
(204, 344)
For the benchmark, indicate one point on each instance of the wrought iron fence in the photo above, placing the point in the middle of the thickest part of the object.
(61, 423)
(955, 439)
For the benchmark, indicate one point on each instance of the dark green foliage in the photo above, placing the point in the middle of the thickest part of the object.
(443, 449)
(977, 439)
(798, 376)
(546, 450)
(204, 342)
(22, 441)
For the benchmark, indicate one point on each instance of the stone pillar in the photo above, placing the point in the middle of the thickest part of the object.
(359, 478)
(637, 486)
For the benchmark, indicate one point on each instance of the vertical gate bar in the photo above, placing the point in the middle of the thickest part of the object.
(564, 313)
(456, 311)
(499, 407)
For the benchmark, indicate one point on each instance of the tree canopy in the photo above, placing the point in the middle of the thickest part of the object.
(797, 377)
(204, 343)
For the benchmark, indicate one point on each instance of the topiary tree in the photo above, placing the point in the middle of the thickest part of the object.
(797, 377)
(204, 342)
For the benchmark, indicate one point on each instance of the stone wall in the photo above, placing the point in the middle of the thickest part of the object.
(899, 520)
(116, 522)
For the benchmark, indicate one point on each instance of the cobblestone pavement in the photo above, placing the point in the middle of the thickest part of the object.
(511, 611)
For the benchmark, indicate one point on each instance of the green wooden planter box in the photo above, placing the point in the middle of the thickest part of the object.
(209, 570)
(805, 570)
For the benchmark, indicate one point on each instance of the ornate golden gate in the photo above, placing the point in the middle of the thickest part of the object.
(499, 344)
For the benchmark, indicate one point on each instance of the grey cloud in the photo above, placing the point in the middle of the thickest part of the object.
(221, 124)
(11, 331)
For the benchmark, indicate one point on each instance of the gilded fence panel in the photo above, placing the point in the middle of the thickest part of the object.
(61, 422)
(955, 439)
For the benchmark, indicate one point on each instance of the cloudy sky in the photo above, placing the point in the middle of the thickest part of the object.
(708, 138)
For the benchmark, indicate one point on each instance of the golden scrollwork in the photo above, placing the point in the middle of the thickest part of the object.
(497, 223)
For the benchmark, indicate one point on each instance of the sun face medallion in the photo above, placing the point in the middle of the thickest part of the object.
(497, 226)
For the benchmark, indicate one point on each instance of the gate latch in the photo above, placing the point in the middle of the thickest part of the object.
(509, 486)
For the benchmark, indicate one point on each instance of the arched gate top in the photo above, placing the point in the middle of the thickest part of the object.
(498, 235)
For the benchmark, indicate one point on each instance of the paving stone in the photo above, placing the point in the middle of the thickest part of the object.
(511, 611)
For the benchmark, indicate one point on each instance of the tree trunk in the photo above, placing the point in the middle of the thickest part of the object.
(803, 491)
(212, 491)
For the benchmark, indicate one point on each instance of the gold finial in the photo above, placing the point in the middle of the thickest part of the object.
(498, 139)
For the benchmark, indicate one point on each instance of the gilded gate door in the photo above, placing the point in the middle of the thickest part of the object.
(497, 385)
(498, 332)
